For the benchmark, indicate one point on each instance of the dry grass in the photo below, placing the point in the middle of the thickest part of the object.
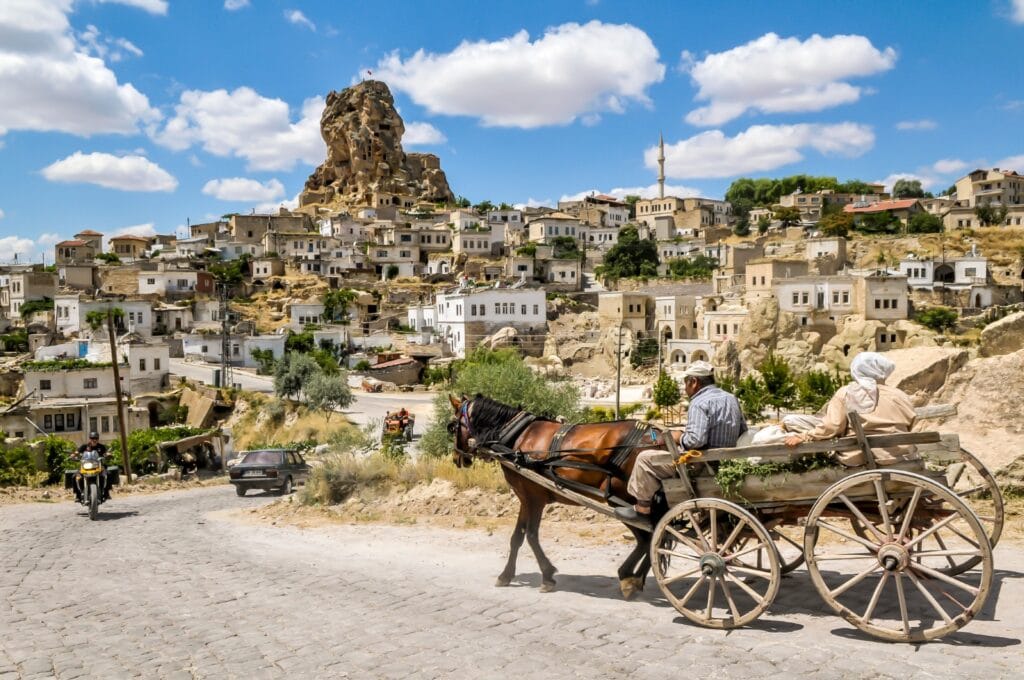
(269, 421)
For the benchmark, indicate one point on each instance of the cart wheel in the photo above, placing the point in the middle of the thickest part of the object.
(701, 554)
(976, 486)
(898, 513)
(789, 545)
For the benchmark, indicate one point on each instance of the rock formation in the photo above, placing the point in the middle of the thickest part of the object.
(363, 133)
(1004, 336)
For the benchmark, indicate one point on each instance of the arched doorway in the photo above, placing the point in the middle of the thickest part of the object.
(977, 300)
(678, 357)
(154, 414)
(683, 332)
(945, 273)
(698, 355)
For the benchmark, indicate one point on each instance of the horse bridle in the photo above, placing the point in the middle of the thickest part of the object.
(462, 418)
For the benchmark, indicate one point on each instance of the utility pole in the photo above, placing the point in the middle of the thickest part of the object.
(125, 459)
(618, 372)
(227, 378)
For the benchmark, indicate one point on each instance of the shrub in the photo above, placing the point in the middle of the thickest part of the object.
(16, 467)
(500, 375)
(937, 319)
(666, 390)
(58, 457)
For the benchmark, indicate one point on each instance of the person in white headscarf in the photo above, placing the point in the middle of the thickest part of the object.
(882, 410)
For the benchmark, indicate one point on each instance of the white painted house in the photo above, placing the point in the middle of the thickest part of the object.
(466, 316)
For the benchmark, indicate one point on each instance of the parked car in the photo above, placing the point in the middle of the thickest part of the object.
(279, 469)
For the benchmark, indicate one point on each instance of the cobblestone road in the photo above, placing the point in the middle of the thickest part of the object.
(167, 587)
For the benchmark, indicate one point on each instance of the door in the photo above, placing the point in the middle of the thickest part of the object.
(299, 465)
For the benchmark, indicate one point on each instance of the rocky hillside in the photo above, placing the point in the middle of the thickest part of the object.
(363, 133)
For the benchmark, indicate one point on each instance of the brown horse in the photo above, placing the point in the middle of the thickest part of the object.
(592, 459)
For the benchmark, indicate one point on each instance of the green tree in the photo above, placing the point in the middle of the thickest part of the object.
(300, 342)
(749, 392)
(666, 390)
(643, 352)
(778, 381)
(631, 256)
(989, 216)
(907, 188)
(32, 306)
(924, 223)
(697, 268)
(462, 202)
(97, 318)
(815, 388)
(742, 227)
(231, 271)
(937, 318)
(883, 222)
(763, 222)
(108, 258)
(391, 272)
(292, 373)
(564, 246)
(630, 200)
(328, 393)
(483, 207)
(336, 304)
(789, 216)
(264, 359)
(501, 375)
(836, 224)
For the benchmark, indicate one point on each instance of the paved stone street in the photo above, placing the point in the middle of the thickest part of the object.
(166, 587)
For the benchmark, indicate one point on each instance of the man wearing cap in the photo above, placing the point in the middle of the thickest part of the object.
(714, 420)
(93, 449)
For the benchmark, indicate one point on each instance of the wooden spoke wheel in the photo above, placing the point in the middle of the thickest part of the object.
(976, 486)
(703, 554)
(788, 543)
(886, 577)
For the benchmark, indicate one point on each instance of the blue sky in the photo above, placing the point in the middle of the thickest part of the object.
(139, 115)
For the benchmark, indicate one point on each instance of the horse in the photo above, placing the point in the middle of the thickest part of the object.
(593, 459)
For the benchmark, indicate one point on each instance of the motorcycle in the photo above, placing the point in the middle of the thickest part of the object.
(91, 482)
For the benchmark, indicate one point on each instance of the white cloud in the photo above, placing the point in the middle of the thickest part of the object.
(232, 5)
(247, 125)
(422, 134)
(572, 70)
(649, 191)
(1011, 163)
(294, 16)
(50, 239)
(1017, 11)
(51, 82)
(949, 165)
(534, 203)
(151, 6)
(243, 189)
(271, 207)
(106, 47)
(1, 214)
(18, 248)
(126, 173)
(758, 148)
(146, 229)
(775, 75)
(917, 125)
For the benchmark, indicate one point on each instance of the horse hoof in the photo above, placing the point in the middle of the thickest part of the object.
(502, 582)
(630, 587)
(547, 587)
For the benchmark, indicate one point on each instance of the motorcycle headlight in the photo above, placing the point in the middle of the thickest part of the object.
(88, 465)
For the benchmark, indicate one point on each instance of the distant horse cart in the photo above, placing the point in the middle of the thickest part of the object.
(903, 552)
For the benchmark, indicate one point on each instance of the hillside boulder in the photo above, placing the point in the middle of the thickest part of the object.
(924, 370)
(1003, 336)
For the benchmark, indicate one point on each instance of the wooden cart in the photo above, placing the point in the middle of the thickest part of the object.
(902, 552)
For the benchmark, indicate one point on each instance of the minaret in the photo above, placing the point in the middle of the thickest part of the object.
(661, 166)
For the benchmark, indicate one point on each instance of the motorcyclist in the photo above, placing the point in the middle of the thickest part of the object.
(93, 450)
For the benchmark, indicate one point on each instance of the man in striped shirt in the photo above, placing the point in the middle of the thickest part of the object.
(714, 420)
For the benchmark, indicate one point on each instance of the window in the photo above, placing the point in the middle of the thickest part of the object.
(878, 304)
(92, 425)
(58, 422)
(156, 364)
(524, 310)
(105, 420)
(497, 308)
(89, 384)
(796, 298)
(892, 337)
(846, 297)
(895, 304)
(835, 297)
(803, 298)
(142, 364)
(45, 385)
(536, 309)
(472, 310)
(151, 282)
